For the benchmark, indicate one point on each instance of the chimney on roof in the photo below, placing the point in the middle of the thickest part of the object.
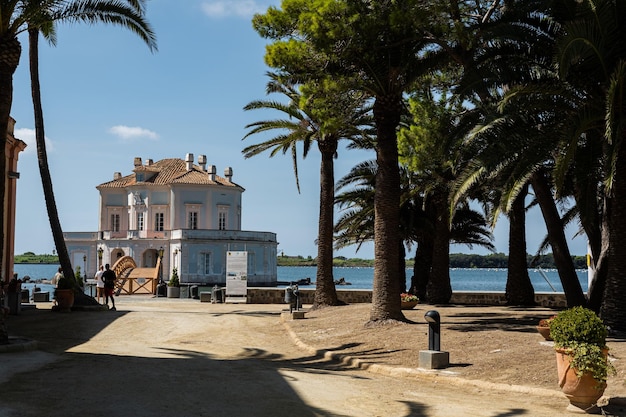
(149, 162)
(228, 174)
(202, 162)
(189, 161)
(117, 175)
(137, 162)
(211, 172)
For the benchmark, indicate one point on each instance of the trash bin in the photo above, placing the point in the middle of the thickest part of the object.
(25, 295)
(162, 290)
(194, 292)
(184, 291)
(288, 295)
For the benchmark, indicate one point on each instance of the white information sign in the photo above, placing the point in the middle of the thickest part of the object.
(236, 275)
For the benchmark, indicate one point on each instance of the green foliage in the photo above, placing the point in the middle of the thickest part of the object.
(578, 325)
(495, 260)
(174, 281)
(295, 261)
(500, 260)
(457, 260)
(591, 359)
(31, 258)
(582, 334)
(78, 277)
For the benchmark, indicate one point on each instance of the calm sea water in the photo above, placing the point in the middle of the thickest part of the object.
(361, 278)
(461, 279)
(39, 271)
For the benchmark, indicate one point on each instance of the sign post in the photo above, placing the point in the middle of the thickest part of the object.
(236, 277)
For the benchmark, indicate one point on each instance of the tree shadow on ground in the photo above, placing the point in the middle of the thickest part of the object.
(177, 382)
(492, 321)
(181, 382)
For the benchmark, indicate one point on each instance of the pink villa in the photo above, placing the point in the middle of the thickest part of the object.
(178, 212)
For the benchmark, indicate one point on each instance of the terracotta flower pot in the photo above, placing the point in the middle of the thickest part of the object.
(545, 332)
(407, 305)
(583, 393)
(65, 299)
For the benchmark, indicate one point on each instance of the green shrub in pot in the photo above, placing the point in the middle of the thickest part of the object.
(174, 281)
(581, 333)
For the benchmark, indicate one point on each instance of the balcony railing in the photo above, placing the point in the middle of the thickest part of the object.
(180, 234)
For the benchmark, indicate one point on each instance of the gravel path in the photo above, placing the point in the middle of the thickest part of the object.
(170, 357)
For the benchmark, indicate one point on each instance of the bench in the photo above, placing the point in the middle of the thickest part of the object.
(41, 297)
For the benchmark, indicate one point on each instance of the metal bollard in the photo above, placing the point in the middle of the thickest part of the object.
(296, 294)
(434, 330)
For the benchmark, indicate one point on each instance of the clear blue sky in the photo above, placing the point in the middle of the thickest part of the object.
(108, 99)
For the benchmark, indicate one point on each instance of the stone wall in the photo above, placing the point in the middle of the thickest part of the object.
(258, 295)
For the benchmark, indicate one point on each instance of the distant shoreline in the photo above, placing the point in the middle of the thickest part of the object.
(36, 263)
(457, 260)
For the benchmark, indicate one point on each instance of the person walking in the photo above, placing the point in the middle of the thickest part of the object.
(108, 278)
(99, 285)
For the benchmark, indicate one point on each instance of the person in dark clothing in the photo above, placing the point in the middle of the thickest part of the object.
(108, 277)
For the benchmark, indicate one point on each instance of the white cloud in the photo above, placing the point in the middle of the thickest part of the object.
(238, 8)
(131, 133)
(28, 136)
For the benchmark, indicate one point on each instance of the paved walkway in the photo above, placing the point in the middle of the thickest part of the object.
(170, 357)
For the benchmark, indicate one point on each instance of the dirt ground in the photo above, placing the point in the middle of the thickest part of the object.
(172, 357)
(495, 344)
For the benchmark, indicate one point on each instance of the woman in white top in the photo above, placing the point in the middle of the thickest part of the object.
(55, 279)
(99, 284)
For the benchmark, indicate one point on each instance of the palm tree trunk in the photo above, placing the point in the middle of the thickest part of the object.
(591, 212)
(42, 157)
(556, 235)
(600, 258)
(613, 310)
(385, 299)
(422, 267)
(325, 292)
(519, 289)
(439, 289)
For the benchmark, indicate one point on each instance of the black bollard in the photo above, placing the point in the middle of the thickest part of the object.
(434, 330)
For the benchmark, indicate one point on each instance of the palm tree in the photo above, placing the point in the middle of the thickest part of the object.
(323, 114)
(510, 153)
(356, 224)
(42, 16)
(428, 146)
(379, 45)
(516, 50)
(591, 58)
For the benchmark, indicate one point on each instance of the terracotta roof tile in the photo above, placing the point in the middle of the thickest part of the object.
(168, 171)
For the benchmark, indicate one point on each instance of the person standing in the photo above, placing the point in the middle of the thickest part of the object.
(99, 285)
(108, 277)
(55, 279)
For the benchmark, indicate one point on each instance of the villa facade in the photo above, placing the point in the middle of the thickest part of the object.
(13, 147)
(181, 211)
